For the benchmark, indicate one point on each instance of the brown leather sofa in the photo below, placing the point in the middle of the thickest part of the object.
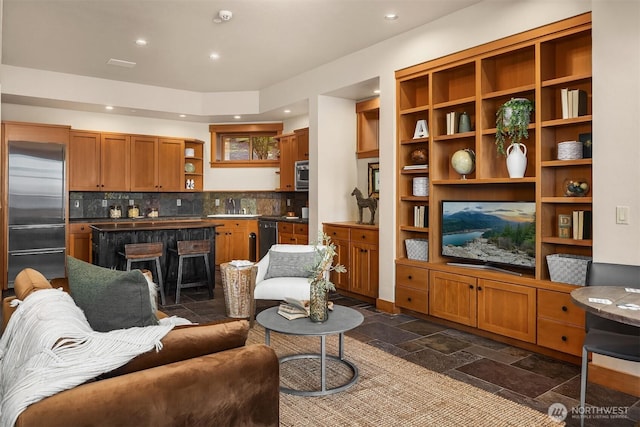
(203, 376)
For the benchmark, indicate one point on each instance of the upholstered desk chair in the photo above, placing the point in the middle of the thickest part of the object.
(604, 336)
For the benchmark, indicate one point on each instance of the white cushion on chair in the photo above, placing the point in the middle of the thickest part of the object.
(279, 288)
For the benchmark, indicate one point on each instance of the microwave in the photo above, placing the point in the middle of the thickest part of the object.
(301, 172)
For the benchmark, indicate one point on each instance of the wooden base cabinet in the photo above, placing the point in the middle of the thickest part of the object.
(499, 307)
(292, 233)
(412, 287)
(80, 241)
(232, 239)
(560, 322)
(361, 242)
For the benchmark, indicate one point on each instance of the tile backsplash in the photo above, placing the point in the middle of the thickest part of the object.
(90, 205)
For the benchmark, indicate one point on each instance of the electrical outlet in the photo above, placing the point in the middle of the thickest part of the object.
(288, 202)
(131, 202)
(104, 203)
(76, 203)
(178, 202)
(217, 202)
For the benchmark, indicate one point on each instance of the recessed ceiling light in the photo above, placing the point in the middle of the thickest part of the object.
(183, 115)
(108, 107)
(390, 16)
(141, 42)
(237, 117)
(287, 111)
(214, 56)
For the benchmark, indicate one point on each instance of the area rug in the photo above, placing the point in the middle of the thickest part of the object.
(390, 391)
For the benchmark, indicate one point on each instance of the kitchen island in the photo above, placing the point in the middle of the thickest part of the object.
(108, 242)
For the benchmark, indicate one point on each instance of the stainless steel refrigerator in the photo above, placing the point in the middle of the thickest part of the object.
(36, 208)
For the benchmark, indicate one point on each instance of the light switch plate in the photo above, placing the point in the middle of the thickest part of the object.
(178, 202)
(104, 203)
(622, 215)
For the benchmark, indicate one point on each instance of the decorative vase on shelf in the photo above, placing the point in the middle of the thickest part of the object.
(464, 123)
(516, 160)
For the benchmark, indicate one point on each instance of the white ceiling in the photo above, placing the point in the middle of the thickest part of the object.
(266, 41)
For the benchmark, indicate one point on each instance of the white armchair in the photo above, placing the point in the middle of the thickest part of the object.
(281, 287)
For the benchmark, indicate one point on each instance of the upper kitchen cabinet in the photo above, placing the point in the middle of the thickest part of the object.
(302, 143)
(84, 161)
(288, 153)
(368, 113)
(98, 161)
(156, 163)
(115, 171)
(193, 165)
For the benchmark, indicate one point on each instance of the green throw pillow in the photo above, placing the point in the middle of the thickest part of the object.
(290, 264)
(110, 299)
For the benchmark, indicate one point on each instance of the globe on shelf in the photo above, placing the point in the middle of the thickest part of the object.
(464, 162)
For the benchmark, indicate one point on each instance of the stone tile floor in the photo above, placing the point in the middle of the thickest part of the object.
(528, 378)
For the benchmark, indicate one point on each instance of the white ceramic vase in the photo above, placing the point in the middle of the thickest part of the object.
(516, 160)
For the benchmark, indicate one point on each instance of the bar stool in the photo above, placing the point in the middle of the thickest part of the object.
(139, 252)
(192, 249)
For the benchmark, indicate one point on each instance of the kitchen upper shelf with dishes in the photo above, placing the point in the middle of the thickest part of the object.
(193, 164)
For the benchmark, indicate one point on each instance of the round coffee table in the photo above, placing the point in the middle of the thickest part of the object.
(341, 319)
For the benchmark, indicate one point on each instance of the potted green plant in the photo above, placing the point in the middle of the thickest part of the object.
(512, 120)
(511, 123)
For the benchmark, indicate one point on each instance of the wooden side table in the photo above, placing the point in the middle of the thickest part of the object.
(238, 284)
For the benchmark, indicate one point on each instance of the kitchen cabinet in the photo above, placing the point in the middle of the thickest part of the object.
(115, 168)
(84, 161)
(293, 233)
(288, 153)
(361, 243)
(368, 118)
(194, 176)
(80, 241)
(302, 143)
(232, 239)
(499, 307)
(340, 238)
(156, 163)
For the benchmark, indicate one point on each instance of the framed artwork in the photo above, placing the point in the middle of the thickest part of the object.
(374, 180)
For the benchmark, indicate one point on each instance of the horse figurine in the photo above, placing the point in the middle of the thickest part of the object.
(370, 203)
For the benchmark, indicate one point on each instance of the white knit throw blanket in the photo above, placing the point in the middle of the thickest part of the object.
(49, 347)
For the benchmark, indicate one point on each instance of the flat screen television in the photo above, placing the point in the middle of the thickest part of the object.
(489, 233)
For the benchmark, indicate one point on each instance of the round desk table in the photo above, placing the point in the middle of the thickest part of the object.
(341, 319)
(618, 303)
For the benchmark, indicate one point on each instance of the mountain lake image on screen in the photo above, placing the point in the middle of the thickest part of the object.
(490, 232)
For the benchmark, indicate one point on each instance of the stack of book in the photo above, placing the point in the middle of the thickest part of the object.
(452, 123)
(415, 167)
(296, 309)
(576, 226)
(574, 103)
(421, 216)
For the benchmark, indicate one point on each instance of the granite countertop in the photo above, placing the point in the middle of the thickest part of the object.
(152, 225)
(182, 219)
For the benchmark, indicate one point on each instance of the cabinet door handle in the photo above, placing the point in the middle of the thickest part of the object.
(564, 338)
(409, 299)
(479, 288)
(564, 308)
(470, 286)
(409, 277)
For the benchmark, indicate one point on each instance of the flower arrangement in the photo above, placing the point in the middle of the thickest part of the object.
(512, 120)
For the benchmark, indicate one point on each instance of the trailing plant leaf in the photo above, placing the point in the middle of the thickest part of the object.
(515, 128)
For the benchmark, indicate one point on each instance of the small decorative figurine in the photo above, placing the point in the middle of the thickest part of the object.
(370, 203)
